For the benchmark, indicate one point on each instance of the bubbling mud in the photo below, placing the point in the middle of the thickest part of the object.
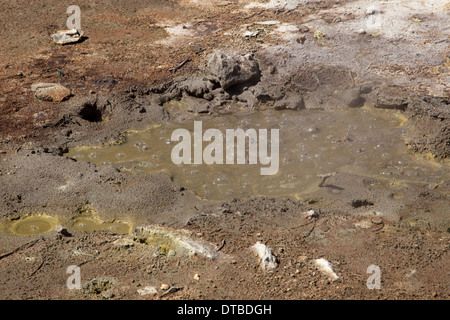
(31, 225)
(89, 224)
(313, 143)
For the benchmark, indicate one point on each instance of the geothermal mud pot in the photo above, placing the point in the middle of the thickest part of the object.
(126, 166)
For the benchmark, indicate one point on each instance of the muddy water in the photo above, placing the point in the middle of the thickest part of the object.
(31, 225)
(89, 224)
(364, 141)
(43, 223)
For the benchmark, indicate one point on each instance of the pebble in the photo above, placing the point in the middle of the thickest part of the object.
(124, 243)
(310, 214)
(326, 268)
(377, 220)
(164, 286)
(53, 92)
(148, 291)
(267, 260)
(108, 294)
(301, 39)
(67, 36)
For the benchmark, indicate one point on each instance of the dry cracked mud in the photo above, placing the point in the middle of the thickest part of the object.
(359, 91)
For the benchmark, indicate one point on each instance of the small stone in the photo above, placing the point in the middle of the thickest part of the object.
(364, 224)
(108, 294)
(250, 34)
(377, 220)
(148, 291)
(301, 39)
(310, 214)
(267, 260)
(171, 253)
(196, 277)
(67, 36)
(52, 92)
(362, 31)
(164, 286)
(326, 268)
(124, 243)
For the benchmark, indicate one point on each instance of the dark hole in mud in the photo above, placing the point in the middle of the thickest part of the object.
(361, 203)
(90, 112)
(357, 102)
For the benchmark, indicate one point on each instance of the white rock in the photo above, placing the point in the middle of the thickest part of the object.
(164, 286)
(364, 224)
(267, 260)
(50, 91)
(124, 242)
(148, 291)
(310, 214)
(67, 36)
(326, 268)
(268, 23)
(250, 34)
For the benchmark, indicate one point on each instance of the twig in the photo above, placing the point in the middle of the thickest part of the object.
(353, 79)
(180, 65)
(309, 232)
(317, 78)
(40, 266)
(325, 177)
(221, 246)
(379, 228)
(84, 262)
(254, 14)
(200, 50)
(24, 246)
(304, 225)
(171, 290)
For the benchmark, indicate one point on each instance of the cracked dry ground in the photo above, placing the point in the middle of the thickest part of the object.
(119, 79)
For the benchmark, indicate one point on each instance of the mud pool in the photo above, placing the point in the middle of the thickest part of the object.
(31, 225)
(37, 224)
(313, 143)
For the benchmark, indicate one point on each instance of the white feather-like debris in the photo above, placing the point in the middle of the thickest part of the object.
(267, 260)
(326, 268)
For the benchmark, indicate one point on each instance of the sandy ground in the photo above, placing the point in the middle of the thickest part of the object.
(384, 54)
